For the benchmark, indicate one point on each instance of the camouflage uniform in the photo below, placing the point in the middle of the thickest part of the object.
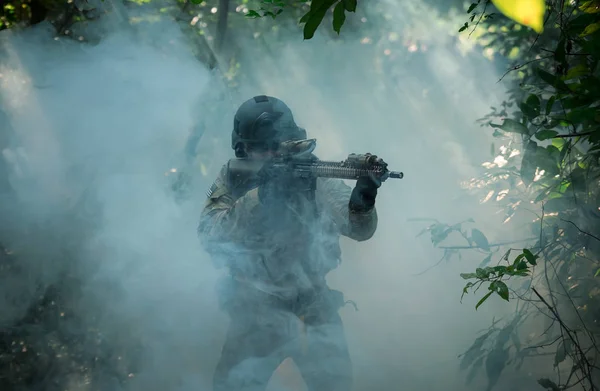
(276, 287)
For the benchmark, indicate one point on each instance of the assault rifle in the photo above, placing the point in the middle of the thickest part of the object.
(295, 159)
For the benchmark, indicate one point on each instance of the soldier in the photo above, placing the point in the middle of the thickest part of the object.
(279, 238)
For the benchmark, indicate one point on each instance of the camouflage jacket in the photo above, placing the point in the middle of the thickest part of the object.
(230, 231)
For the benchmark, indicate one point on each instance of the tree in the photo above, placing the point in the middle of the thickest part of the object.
(550, 133)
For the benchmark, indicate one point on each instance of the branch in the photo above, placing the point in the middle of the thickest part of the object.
(566, 54)
(575, 134)
(544, 345)
(431, 267)
(516, 67)
(569, 334)
(221, 29)
(590, 334)
(480, 17)
(497, 244)
(580, 230)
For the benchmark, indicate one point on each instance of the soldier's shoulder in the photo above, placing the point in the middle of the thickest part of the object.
(219, 185)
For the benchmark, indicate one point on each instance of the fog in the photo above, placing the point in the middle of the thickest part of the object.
(94, 135)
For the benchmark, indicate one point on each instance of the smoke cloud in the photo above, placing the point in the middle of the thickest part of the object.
(94, 134)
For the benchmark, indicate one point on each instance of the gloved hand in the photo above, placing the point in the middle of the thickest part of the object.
(364, 193)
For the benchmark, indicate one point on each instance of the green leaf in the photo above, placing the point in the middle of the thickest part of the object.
(339, 17)
(579, 180)
(597, 273)
(576, 71)
(350, 5)
(590, 6)
(249, 14)
(482, 273)
(531, 107)
(472, 7)
(528, 111)
(464, 27)
(528, 165)
(590, 29)
(468, 276)
(522, 265)
(466, 290)
(545, 134)
(562, 350)
(582, 114)
(304, 18)
(552, 80)
(510, 125)
(547, 159)
(560, 52)
(530, 257)
(501, 289)
(483, 299)
(270, 13)
(518, 258)
(500, 270)
(480, 239)
(317, 12)
(548, 384)
(533, 101)
(549, 104)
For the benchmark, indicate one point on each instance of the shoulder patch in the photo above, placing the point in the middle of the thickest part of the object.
(211, 189)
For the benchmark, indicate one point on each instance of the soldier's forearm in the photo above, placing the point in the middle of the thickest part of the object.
(357, 225)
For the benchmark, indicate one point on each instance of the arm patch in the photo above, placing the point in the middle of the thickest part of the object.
(211, 189)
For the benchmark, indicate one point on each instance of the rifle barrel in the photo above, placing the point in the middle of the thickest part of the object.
(330, 169)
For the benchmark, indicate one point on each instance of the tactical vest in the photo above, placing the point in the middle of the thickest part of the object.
(293, 246)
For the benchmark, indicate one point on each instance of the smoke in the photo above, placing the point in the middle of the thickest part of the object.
(95, 131)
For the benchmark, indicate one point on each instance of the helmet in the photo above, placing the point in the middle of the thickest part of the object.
(262, 123)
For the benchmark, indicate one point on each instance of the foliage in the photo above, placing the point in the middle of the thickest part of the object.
(22, 13)
(313, 17)
(526, 12)
(549, 159)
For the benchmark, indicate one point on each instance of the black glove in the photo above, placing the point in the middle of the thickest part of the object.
(364, 193)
